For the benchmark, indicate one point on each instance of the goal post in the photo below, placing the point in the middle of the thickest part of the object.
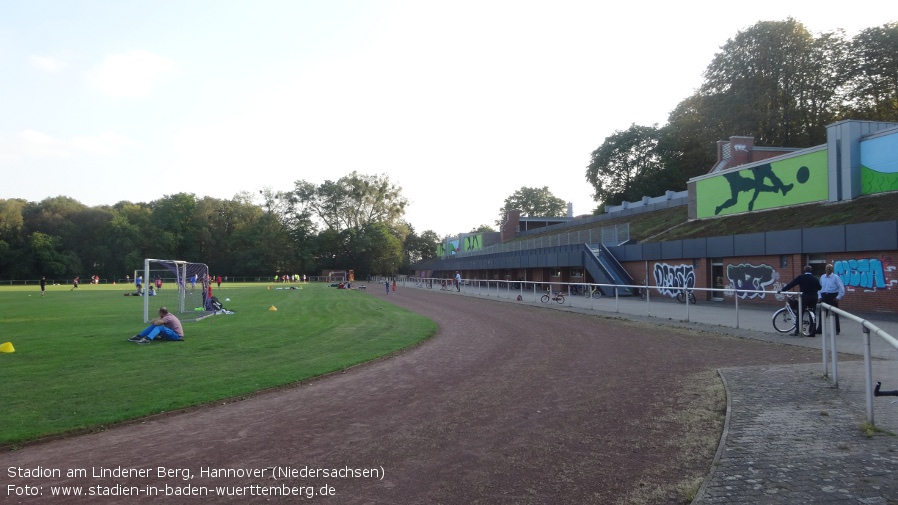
(181, 286)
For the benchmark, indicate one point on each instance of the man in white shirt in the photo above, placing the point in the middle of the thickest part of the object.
(832, 290)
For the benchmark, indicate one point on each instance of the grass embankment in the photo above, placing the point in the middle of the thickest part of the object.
(73, 369)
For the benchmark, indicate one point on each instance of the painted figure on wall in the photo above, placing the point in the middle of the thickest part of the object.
(741, 184)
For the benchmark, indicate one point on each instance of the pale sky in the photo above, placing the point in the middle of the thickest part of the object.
(460, 103)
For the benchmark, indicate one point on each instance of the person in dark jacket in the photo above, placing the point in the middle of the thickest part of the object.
(809, 287)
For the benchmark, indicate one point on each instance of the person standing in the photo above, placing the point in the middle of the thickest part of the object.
(138, 282)
(387, 285)
(831, 291)
(75, 283)
(218, 280)
(394, 286)
(809, 287)
(43, 285)
(457, 281)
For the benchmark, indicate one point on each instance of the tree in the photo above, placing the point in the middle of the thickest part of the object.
(353, 201)
(873, 85)
(627, 166)
(383, 250)
(419, 247)
(348, 208)
(776, 82)
(533, 202)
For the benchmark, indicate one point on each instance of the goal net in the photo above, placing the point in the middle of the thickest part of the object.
(183, 287)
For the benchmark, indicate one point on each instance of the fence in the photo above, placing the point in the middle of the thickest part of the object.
(611, 235)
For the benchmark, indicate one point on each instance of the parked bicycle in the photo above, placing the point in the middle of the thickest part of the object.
(685, 293)
(558, 297)
(585, 290)
(784, 319)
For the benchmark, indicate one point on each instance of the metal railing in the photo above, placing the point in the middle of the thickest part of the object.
(606, 235)
(866, 329)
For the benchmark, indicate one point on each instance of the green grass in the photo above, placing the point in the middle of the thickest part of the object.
(73, 370)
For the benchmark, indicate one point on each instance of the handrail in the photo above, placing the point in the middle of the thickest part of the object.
(867, 328)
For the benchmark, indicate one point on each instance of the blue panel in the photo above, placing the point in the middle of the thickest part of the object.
(880, 236)
(651, 251)
(720, 247)
(749, 244)
(826, 239)
(783, 242)
(672, 249)
(695, 248)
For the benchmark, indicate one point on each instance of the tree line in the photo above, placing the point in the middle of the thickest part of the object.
(355, 222)
(776, 82)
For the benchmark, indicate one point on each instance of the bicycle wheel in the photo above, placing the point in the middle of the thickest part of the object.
(783, 321)
(692, 298)
(807, 323)
(545, 299)
(597, 293)
(681, 297)
(559, 298)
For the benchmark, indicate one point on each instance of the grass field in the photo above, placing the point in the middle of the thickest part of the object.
(73, 370)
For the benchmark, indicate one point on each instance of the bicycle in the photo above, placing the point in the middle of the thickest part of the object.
(558, 297)
(784, 319)
(594, 292)
(683, 293)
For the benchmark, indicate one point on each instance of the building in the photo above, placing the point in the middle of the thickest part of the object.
(745, 191)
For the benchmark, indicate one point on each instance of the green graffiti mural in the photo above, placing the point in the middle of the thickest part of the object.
(793, 181)
(879, 166)
(473, 242)
(448, 248)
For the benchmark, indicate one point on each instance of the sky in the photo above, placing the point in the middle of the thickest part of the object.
(460, 104)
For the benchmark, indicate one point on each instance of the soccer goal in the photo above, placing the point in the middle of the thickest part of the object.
(183, 287)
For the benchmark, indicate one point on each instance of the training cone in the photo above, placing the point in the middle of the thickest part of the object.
(273, 308)
(7, 347)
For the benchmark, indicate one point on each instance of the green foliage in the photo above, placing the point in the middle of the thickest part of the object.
(628, 165)
(73, 369)
(237, 237)
(774, 81)
(874, 76)
(533, 202)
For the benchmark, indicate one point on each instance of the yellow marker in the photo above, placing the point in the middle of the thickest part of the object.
(7, 347)
(273, 308)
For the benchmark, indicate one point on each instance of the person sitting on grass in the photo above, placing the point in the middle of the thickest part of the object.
(166, 325)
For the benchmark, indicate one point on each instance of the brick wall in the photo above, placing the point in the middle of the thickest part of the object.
(870, 278)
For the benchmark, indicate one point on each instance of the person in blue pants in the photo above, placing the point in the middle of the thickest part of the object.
(166, 325)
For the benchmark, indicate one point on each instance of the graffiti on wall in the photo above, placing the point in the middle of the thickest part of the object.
(791, 181)
(868, 274)
(670, 279)
(473, 242)
(749, 277)
(879, 171)
(448, 248)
